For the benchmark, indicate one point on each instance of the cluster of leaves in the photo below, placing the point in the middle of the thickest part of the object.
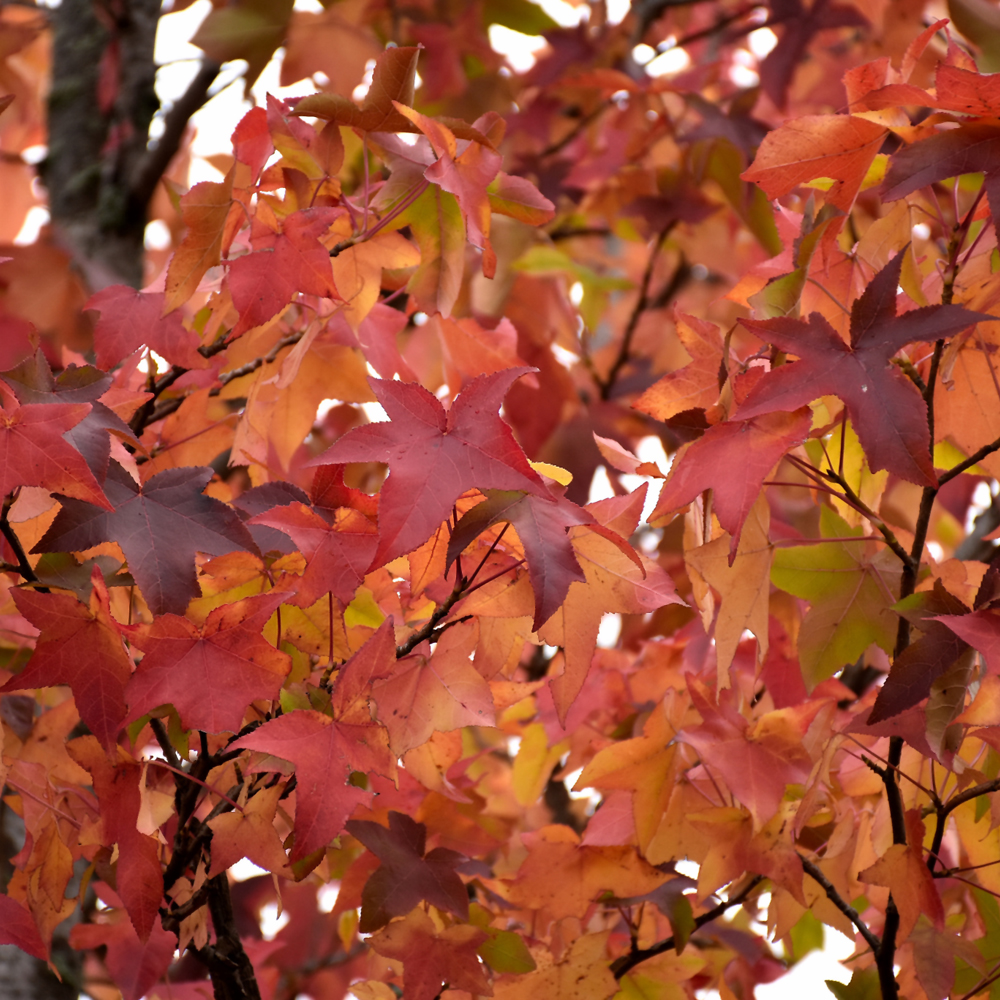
(365, 655)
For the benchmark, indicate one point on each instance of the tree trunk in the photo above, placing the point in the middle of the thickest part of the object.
(101, 103)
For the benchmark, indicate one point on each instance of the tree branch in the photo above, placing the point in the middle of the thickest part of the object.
(620, 966)
(641, 305)
(816, 874)
(153, 165)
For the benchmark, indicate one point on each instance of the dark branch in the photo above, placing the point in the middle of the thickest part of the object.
(152, 166)
(816, 874)
(620, 966)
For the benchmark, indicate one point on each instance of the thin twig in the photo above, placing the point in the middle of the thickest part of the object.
(816, 874)
(626, 963)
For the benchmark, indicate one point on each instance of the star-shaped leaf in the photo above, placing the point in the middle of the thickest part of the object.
(732, 459)
(130, 318)
(432, 958)
(228, 648)
(541, 526)
(159, 526)
(339, 546)
(325, 751)
(435, 455)
(34, 451)
(407, 875)
(885, 407)
(80, 645)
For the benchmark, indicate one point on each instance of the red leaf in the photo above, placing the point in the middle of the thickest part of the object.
(160, 526)
(431, 958)
(339, 548)
(756, 763)
(252, 141)
(434, 456)
(130, 318)
(541, 526)
(733, 459)
(18, 928)
(981, 630)
(81, 646)
(324, 753)
(885, 407)
(33, 451)
(967, 149)
(228, 648)
(135, 965)
(407, 876)
(139, 875)
(264, 282)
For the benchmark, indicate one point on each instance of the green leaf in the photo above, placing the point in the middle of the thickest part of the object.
(518, 15)
(863, 986)
(437, 224)
(505, 951)
(851, 590)
(805, 936)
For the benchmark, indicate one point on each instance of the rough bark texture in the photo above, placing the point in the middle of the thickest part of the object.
(100, 106)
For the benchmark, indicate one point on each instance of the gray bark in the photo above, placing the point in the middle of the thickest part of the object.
(95, 157)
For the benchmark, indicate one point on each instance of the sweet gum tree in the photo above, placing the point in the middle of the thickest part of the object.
(242, 621)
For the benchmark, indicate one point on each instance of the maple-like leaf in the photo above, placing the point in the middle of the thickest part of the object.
(80, 645)
(228, 649)
(841, 147)
(249, 834)
(981, 630)
(265, 281)
(137, 965)
(696, 385)
(34, 452)
(139, 876)
(407, 874)
(431, 957)
(204, 209)
(851, 590)
(542, 526)
(130, 318)
(159, 526)
(940, 616)
(885, 407)
(428, 693)
(338, 545)
(33, 382)
(435, 455)
(758, 761)
(732, 459)
(325, 751)
(968, 149)
(581, 974)
(903, 870)
(564, 877)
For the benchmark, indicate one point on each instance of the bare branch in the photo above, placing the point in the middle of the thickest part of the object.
(152, 166)
(816, 874)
